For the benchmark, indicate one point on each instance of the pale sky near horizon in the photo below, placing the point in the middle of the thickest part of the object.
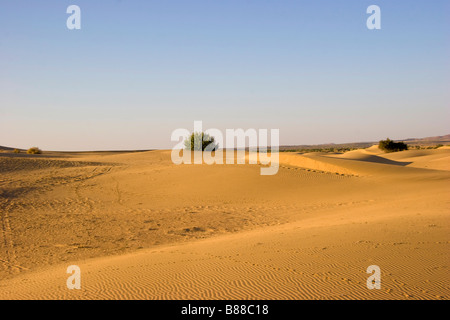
(137, 70)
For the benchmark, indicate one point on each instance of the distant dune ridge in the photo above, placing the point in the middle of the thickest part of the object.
(140, 227)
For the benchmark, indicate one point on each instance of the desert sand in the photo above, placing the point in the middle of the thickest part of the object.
(140, 227)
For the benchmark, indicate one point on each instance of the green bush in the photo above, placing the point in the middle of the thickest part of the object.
(390, 146)
(198, 141)
(34, 150)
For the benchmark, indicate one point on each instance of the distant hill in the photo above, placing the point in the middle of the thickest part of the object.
(429, 141)
(6, 148)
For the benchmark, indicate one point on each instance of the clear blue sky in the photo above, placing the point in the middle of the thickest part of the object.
(137, 70)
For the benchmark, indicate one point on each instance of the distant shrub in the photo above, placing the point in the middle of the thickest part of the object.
(438, 146)
(390, 146)
(34, 150)
(16, 151)
(198, 141)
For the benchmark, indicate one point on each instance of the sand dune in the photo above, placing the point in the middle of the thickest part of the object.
(141, 227)
(432, 159)
(314, 162)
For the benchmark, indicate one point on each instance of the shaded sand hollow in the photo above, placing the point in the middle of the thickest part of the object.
(140, 227)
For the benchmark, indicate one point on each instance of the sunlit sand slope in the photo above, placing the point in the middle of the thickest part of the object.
(141, 227)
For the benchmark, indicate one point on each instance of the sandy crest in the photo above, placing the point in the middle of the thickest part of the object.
(140, 227)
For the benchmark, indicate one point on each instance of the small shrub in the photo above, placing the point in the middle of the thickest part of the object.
(390, 146)
(198, 141)
(34, 150)
(16, 151)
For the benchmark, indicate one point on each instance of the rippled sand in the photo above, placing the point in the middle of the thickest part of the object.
(140, 227)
